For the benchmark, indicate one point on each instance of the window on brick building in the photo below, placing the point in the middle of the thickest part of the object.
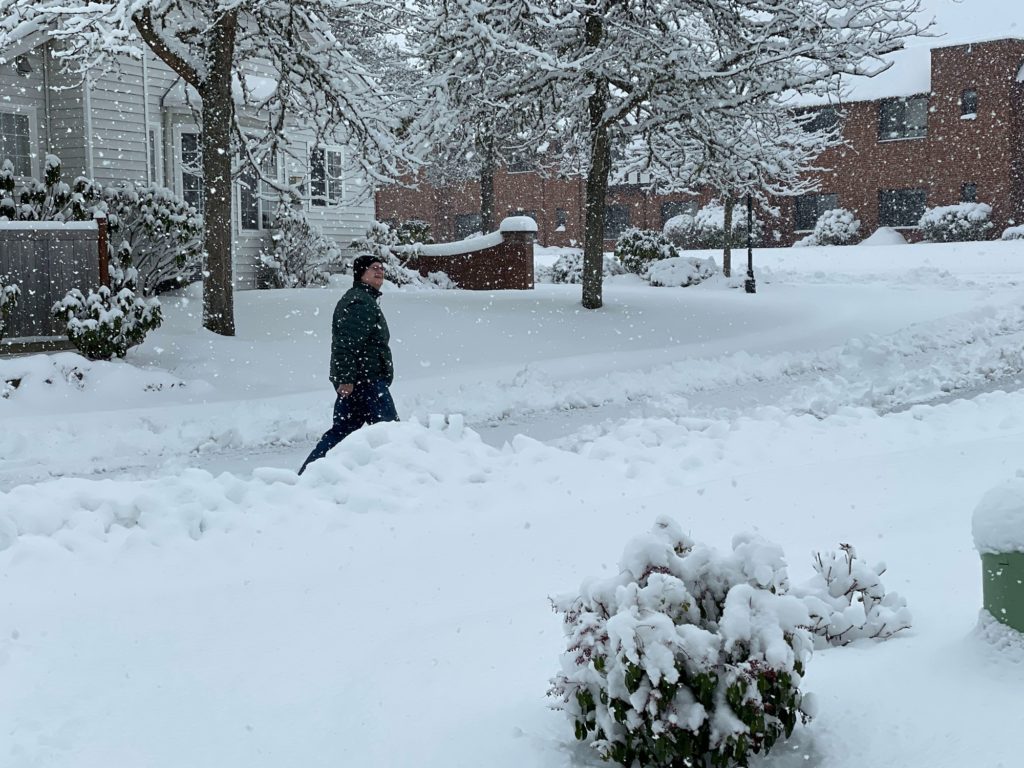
(466, 224)
(901, 207)
(822, 119)
(520, 161)
(616, 220)
(903, 118)
(673, 208)
(968, 192)
(561, 219)
(807, 209)
(969, 102)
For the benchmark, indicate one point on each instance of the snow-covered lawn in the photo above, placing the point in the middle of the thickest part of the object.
(171, 594)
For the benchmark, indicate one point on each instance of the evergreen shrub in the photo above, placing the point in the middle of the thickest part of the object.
(568, 268)
(709, 228)
(956, 223)
(299, 255)
(837, 226)
(688, 657)
(412, 231)
(679, 230)
(636, 249)
(681, 271)
(106, 323)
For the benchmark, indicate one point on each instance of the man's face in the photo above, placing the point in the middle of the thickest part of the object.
(374, 275)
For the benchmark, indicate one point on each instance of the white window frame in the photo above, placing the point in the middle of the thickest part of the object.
(155, 152)
(13, 108)
(328, 200)
(264, 202)
(179, 182)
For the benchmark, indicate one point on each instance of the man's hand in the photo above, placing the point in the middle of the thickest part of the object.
(344, 390)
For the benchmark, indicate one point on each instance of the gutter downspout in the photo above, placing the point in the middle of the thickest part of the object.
(87, 109)
(150, 150)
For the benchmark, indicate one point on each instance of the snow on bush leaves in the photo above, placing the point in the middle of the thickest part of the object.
(9, 293)
(837, 226)
(637, 249)
(956, 223)
(688, 656)
(106, 324)
(681, 271)
(568, 268)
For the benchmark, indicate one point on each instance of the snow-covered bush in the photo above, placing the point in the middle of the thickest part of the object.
(1013, 233)
(414, 231)
(568, 268)
(299, 254)
(9, 293)
(806, 242)
(106, 324)
(679, 230)
(157, 230)
(837, 226)
(847, 600)
(636, 249)
(709, 227)
(681, 271)
(956, 223)
(688, 657)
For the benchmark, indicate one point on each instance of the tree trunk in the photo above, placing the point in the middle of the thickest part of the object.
(488, 161)
(218, 124)
(597, 181)
(730, 204)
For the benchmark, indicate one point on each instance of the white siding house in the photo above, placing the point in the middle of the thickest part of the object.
(136, 124)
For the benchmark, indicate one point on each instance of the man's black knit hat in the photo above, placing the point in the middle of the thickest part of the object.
(361, 264)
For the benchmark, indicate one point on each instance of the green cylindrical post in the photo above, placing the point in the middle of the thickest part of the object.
(1003, 587)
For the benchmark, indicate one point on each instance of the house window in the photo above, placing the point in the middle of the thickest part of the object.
(673, 208)
(192, 171)
(969, 192)
(466, 224)
(561, 219)
(616, 220)
(256, 198)
(16, 141)
(325, 176)
(156, 171)
(823, 119)
(901, 207)
(520, 161)
(969, 102)
(903, 118)
(807, 209)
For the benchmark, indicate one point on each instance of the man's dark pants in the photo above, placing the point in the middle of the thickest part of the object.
(369, 403)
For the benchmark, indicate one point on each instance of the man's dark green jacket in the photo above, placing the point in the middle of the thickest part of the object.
(359, 339)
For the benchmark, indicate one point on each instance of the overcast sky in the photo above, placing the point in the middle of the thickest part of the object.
(972, 20)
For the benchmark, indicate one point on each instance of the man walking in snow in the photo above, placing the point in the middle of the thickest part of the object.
(361, 367)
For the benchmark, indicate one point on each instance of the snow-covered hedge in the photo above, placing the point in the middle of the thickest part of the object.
(956, 223)
(688, 657)
(382, 242)
(106, 324)
(9, 293)
(299, 254)
(838, 226)
(681, 271)
(568, 268)
(636, 249)
(1013, 233)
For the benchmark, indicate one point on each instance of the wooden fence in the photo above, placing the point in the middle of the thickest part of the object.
(46, 259)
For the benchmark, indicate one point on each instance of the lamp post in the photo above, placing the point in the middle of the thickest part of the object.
(750, 286)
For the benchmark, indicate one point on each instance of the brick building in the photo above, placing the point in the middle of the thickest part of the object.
(942, 126)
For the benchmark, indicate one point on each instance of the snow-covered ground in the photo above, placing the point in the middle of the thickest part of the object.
(171, 593)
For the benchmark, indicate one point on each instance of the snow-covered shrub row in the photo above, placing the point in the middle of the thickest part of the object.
(1013, 233)
(688, 656)
(105, 323)
(147, 224)
(636, 249)
(568, 268)
(956, 223)
(681, 271)
(837, 226)
(299, 254)
(9, 293)
(847, 600)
